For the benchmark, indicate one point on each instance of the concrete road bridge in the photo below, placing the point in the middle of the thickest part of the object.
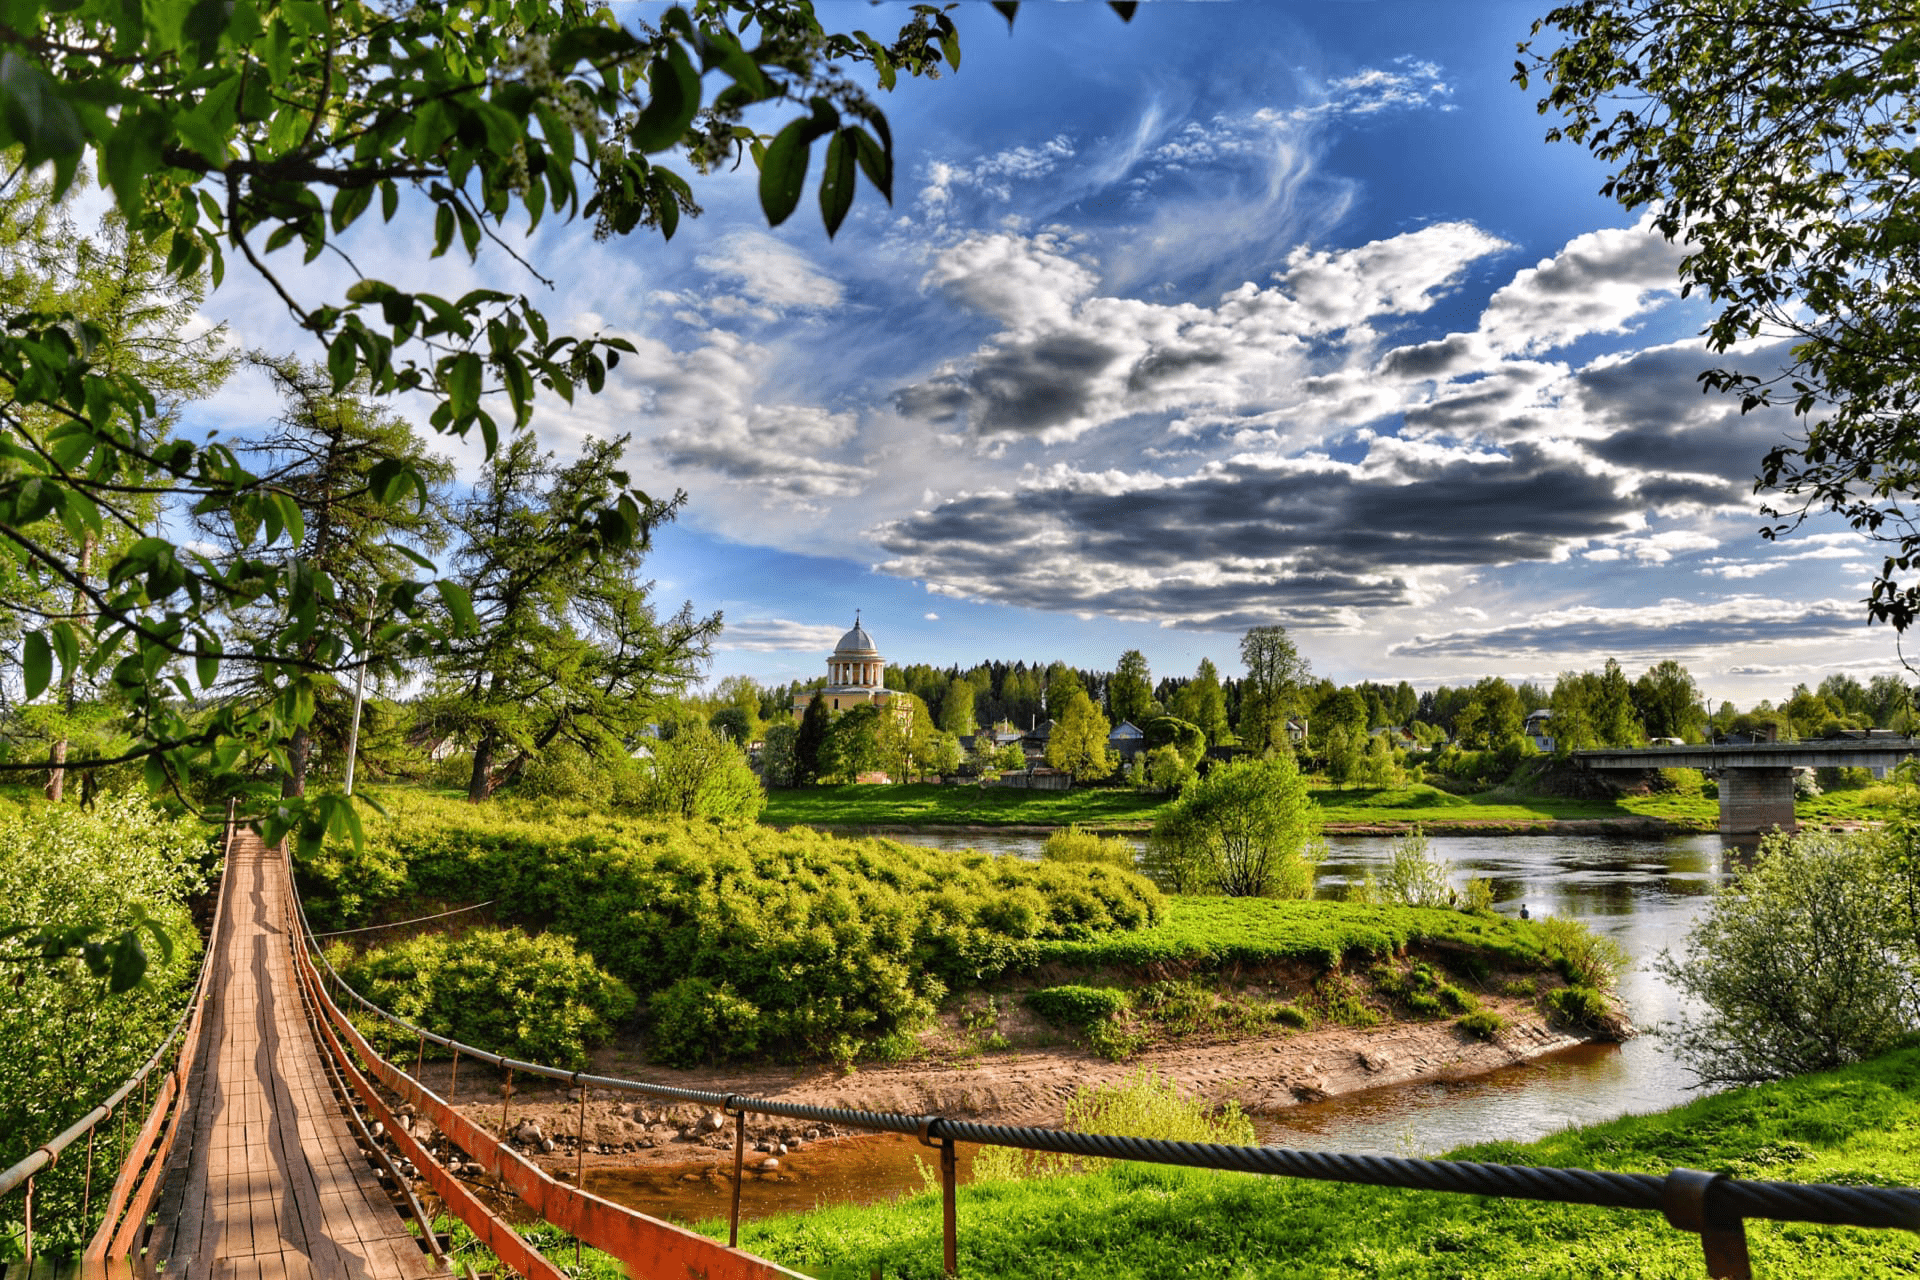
(1756, 779)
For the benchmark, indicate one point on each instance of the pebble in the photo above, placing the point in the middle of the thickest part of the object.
(769, 1166)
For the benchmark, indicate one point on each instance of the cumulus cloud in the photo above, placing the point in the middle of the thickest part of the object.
(1664, 629)
(1255, 537)
(777, 635)
(1598, 283)
(1070, 359)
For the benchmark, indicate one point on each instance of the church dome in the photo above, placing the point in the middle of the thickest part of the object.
(856, 641)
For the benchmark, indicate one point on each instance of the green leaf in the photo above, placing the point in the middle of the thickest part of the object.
(783, 174)
(836, 183)
(37, 663)
(389, 479)
(874, 162)
(129, 963)
(1007, 9)
(675, 89)
(206, 666)
(36, 116)
(343, 360)
(459, 604)
(463, 385)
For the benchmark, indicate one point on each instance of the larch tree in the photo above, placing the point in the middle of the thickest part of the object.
(566, 642)
(253, 137)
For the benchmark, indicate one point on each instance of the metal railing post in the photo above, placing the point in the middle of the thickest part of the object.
(86, 1193)
(1723, 1236)
(739, 1171)
(506, 1101)
(949, 1196)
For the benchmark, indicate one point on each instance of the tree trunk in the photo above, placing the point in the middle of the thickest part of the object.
(299, 751)
(480, 782)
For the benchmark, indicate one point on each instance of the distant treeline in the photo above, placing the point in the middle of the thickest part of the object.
(1588, 708)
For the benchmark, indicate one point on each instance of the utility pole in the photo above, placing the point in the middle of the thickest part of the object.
(359, 698)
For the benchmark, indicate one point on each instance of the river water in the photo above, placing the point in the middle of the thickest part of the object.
(1644, 893)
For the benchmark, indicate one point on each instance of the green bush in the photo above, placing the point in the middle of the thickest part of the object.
(1075, 845)
(69, 1042)
(1803, 962)
(1581, 1007)
(1423, 992)
(1247, 829)
(1078, 1007)
(1585, 958)
(839, 944)
(536, 998)
(1483, 1024)
(696, 1020)
(1144, 1105)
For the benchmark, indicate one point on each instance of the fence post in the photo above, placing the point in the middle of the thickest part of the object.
(1723, 1238)
(739, 1170)
(86, 1194)
(949, 1223)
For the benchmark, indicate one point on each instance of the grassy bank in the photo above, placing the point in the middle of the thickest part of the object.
(917, 804)
(1852, 1126)
(911, 805)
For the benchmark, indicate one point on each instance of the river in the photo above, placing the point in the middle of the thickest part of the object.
(1644, 893)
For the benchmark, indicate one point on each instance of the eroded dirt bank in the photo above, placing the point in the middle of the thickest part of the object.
(1262, 1074)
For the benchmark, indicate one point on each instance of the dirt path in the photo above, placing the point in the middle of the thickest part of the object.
(1262, 1074)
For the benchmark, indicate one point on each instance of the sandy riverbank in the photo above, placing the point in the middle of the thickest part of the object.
(1029, 1087)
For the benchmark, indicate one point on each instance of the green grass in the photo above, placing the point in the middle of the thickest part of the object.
(1854, 1126)
(927, 805)
(914, 804)
(1215, 932)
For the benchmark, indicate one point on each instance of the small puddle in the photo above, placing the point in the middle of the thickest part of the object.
(860, 1170)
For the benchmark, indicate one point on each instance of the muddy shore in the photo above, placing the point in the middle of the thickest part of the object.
(1262, 1074)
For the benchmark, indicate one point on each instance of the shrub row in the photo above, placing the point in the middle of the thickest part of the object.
(535, 998)
(1215, 932)
(751, 940)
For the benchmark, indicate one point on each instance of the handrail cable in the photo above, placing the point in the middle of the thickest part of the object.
(395, 924)
(1712, 1205)
(48, 1153)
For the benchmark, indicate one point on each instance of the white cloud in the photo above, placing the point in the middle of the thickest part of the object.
(777, 635)
(770, 272)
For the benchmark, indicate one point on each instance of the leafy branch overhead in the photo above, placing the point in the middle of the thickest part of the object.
(260, 134)
(1779, 143)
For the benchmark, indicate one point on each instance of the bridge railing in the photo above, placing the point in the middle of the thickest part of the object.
(1713, 1206)
(149, 1147)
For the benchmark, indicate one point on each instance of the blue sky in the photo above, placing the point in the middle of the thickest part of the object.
(1235, 314)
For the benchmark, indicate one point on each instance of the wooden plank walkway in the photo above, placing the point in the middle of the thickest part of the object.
(266, 1181)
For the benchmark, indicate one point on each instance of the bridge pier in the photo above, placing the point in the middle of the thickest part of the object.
(1756, 800)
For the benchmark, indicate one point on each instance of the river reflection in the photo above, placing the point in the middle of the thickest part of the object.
(1644, 893)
